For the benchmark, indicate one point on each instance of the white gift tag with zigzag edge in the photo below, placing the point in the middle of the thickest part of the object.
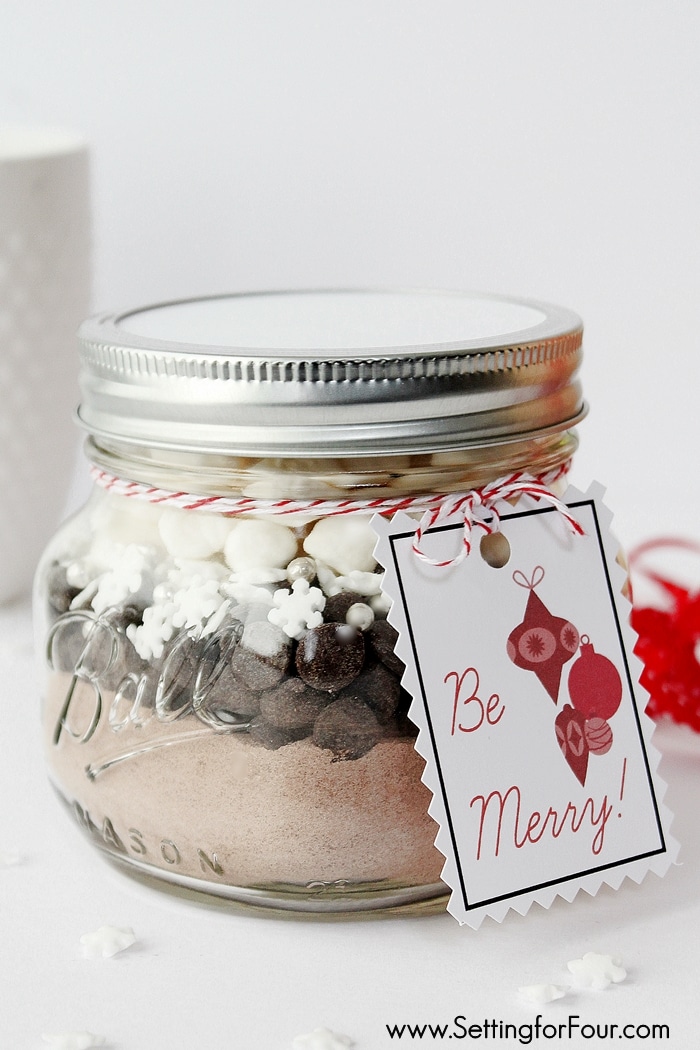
(531, 719)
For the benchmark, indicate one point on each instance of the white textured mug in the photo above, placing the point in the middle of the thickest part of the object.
(44, 294)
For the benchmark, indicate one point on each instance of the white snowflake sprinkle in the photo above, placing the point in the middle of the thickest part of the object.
(244, 592)
(196, 602)
(85, 596)
(107, 941)
(178, 574)
(73, 1040)
(149, 638)
(298, 610)
(322, 1039)
(131, 578)
(541, 993)
(215, 621)
(327, 579)
(9, 858)
(597, 971)
(364, 583)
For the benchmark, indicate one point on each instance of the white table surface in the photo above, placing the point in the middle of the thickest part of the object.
(210, 976)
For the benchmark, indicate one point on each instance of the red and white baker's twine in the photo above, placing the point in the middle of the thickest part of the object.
(478, 508)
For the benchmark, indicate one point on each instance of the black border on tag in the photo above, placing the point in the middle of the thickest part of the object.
(562, 879)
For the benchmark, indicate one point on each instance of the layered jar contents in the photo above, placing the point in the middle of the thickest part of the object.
(224, 703)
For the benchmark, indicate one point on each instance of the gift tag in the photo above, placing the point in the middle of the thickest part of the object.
(525, 691)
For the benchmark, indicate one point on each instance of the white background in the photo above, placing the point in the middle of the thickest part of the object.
(542, 149)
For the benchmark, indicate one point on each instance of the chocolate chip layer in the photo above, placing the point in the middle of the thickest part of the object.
(348, 728)
(329, 657)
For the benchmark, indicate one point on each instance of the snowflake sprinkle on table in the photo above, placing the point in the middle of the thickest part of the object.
(541, 993)
(106, 942)
(73, 1040)
(596, 971)
(322, 1039)
(298, 610)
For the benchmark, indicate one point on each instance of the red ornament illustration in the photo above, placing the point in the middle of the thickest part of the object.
(595, 690)
(570, 727)
(595, 686)
(542, 643)
(599, 735)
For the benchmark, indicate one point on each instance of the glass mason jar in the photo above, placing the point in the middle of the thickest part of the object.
(222, 704)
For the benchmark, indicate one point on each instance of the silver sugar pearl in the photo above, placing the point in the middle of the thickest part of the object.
(360, 615)
(301, 569)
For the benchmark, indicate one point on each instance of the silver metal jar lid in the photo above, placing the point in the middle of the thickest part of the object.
(327, 373)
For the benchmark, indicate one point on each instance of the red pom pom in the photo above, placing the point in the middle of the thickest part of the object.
(669, 642)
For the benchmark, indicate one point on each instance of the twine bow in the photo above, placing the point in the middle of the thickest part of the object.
(480, 509)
